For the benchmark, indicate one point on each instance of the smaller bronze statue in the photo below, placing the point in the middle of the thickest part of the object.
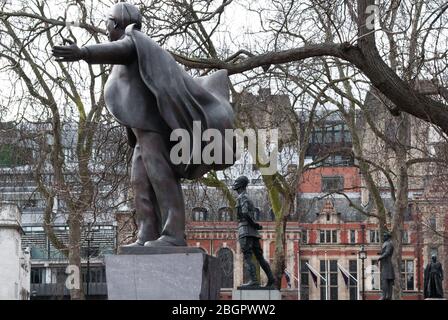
(433, 279)
(387, 269)
(248, 235)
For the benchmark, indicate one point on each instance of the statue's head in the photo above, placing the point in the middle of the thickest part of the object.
(434, 258)
(386, 236)
(240, 183)
(120, 16)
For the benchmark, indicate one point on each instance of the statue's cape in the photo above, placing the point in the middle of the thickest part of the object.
(182, 99)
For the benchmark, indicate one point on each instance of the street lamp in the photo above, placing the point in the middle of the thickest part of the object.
(363, 256)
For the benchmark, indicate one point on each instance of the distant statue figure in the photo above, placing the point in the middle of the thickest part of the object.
(386, 267)
(433, 279)
(152, 96)
(248, 235)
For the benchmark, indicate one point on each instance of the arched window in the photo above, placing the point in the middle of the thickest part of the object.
(225, 214)
(225, 256)
(199, 214)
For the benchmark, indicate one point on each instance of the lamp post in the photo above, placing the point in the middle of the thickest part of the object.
(363, 256)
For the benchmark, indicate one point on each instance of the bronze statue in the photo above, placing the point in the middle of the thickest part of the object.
(433, 279)
(387, 269)
(248, 235)
(151, 96)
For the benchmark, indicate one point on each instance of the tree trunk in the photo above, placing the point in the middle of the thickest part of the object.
(401, 203)
(74, 257)
(278, 266)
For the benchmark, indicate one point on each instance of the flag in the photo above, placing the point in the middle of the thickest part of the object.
(314, 274)
(288, 278)
(345, 275)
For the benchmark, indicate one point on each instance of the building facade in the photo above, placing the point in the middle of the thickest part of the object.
(16, 267)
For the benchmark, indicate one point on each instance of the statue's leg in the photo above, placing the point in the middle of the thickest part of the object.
(247, 249)
(390, 284)
(384, 289)
(167, 189)
(148, 217)
(263, 263)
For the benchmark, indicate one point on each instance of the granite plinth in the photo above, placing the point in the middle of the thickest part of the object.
(256, 294)
(255, 288)
(158, 250)
(151, 273)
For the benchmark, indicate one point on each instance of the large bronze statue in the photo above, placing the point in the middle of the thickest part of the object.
(248, 235)
(151, 96)
(386, 267)
(433, 279)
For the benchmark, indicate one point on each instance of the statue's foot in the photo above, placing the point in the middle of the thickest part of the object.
(270, 283)
(137, 243)
(250, 284)
(166, 242)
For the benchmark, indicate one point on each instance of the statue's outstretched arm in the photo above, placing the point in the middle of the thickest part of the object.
(117, 52)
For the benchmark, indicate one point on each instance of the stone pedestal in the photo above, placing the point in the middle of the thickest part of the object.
(162, 273)
(256, 294)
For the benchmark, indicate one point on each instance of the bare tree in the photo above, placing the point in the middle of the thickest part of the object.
(68, 104)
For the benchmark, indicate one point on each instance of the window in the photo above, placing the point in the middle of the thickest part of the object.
(332, 133)
(30, 203)
(334, 236)
(322, 236)
(405, 237)
(304, 238)
(38, 253)
(317, 136)
(337, 137)
(374, 236)
(373, 276)
(407, 272)
(96, 275)
(334, 280)
(433, 223)
(347, 136)
(328, 137)
(58, 275)
(332, 184)
(37, 275)
(60, 228)
(352, 236)
(304, 280)
(225, 214)
(331, 273)
(352, 285)
(328, 236)
(90, 252)
(33, 229)
(106, 227)
(199, 214)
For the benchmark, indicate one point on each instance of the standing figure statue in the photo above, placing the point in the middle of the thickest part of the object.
(433, 279)
(386, 267)
(248, 235)
(151, 95)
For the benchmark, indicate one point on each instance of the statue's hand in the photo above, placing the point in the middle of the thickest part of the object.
(68, 53)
